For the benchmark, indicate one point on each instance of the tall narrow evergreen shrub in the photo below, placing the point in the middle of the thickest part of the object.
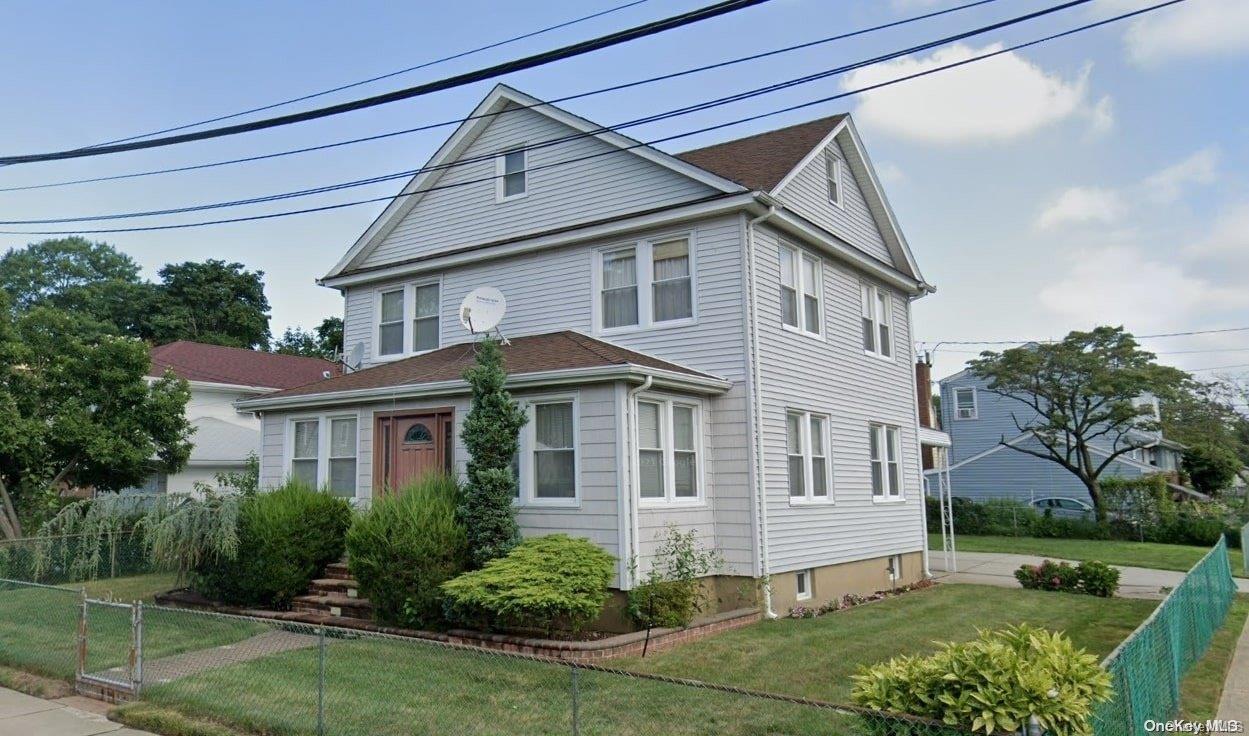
(490, 434)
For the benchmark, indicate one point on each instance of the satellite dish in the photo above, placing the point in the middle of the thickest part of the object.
(482, 310)
(355, 357)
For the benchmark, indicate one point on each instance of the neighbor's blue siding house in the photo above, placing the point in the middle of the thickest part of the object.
(978, 421)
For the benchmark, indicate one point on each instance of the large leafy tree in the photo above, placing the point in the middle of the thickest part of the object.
(1078, 395)
(325, 341)
(90, 278)
(78, 410)
(1202, 416)
(214, 302)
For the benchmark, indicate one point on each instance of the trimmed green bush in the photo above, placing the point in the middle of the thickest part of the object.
(663, 603)
(1097, 578)
(1091, 577)
(285, 538)
(407, 545)
(546, 583)
(670, 594)
(993, 683)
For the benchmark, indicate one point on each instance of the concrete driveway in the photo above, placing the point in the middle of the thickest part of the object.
(998, 568)
(23, 715)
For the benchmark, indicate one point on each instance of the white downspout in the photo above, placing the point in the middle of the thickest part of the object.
(634, 491)
(757, 401)
(919, 448)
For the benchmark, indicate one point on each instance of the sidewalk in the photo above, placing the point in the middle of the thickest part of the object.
(24, 715)
(998, 568)
(1234, 703)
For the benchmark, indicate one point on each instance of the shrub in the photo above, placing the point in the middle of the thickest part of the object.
(671, 594)
(285, 538)
(544, 583)
(1091, 577)
(1210, 467)
(407, 545)
(1098, 578)
(993, 683)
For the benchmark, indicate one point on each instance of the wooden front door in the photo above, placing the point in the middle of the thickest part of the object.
(406, 446)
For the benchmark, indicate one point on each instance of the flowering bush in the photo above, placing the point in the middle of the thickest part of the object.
(1092, 577)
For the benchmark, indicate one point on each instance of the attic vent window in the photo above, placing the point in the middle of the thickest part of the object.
(834, 177)
(513, 181)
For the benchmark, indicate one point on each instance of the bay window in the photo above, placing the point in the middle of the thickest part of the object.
(669, 442)
(877, 309)
(800, 290)
(545, 464)
(886, 461)
(647, 284)
(807, 451)
(418, 307)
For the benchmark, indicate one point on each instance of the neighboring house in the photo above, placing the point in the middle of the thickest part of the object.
(218, 376)
(717, 340)
(982, 423)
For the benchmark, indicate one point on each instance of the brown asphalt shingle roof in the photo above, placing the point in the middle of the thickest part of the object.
(760, 161)
(196, 361)
(530, 354)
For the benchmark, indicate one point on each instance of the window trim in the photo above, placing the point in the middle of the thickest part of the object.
(809, 576)
(323, 446)
(808, 498)
(890, 495)
(668, 441)
(645, 271)
(834, 174)
(975, 407)
(872, 292)
(501, 172)
(801, 257)
(526, 487)
(409, 318)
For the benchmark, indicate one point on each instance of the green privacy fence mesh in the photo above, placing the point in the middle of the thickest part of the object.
(1244, 546)
(1149, 665)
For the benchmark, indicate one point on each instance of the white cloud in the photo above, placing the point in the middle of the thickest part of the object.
(1228, 239)
(1000, 98)
(1082, 205)
(1102, 116)
(1167, 185)
(890, 173)
(1195, 29)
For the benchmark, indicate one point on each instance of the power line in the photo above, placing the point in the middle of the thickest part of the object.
(1138, 337)
(557, 100)
(705, 105)
(1218, 367)
(380, 77)
(739, 121)
(1155, 352)
(566, 52)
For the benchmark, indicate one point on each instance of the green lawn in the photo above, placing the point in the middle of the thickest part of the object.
(1203, 685)
(1136, 554)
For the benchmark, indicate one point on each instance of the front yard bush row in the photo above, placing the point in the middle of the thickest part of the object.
(1090, 577)
(994, 683)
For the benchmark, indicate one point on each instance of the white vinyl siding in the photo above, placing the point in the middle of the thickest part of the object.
(808, 453)
(801, 286)
(886, 461)
(965, 402)
(512, 175)
(417, 305)
(322, 451)
(877, 313)
(646, 284)
(669, 445)
(547, 459)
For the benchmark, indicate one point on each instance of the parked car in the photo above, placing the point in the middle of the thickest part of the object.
(1063, 507)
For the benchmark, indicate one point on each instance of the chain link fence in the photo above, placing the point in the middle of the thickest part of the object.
(71, 558)
(1149, 666)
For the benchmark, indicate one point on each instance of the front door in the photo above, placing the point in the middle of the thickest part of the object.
(406, 446)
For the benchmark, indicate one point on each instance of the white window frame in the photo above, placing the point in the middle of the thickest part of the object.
(869, 297)
(409, 318)
(667, 438)
(501, 172)
(887, 436)
(894, 569)
(645, 265)
(801, 258)
(804, 579)
(834, 178)
(323, 445)
(975, 409)
(527, 487)
(808, 463)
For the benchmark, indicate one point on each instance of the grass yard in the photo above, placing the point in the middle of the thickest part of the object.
(1203, 685)
(1136, 554)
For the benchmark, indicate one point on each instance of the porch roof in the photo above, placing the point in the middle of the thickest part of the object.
(533, 360)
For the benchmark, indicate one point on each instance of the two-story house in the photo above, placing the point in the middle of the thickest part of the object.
(717, 340)
(984, 426)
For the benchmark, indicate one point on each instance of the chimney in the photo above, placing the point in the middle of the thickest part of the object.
(923, 386)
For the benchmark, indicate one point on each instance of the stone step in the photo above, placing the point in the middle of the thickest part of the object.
(338, 571)
(334, 605)
(335, 586)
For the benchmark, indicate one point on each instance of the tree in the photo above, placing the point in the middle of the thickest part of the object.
(214, 302)
(1202, 416)
(1210, 467)
(326, 341)
(78, 410)
(78, 275)
(491, 436)
(1080, 394)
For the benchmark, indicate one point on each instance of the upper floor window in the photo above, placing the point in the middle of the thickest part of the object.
(645, 284)
(323, 453)
(833, 172)
(800, 290)
(965, 402)
(546, 461)
(886, 460)
(413, 304)
(807, 447)
(669, 439)
(877, 320)
(513, 174)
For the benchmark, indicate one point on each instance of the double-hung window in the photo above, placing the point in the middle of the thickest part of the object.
(965, 402)
(877, 320)
(833, 167)
(408, 319)
(807, 450)
(800, 290)
(342, 452)
(646, 284)
(668, 446)
(323, 453)
(886, 460)
(513, 174)
(306, 449)
(546, 461)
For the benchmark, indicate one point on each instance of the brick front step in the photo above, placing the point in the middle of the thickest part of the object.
(334, 605)
(338, 571)
(335, 586)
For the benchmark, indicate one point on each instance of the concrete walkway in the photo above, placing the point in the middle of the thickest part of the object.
(1234, 703)
(24, 715)
(177, 666)
(998, 568)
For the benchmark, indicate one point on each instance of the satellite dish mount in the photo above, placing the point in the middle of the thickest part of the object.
(482, 310)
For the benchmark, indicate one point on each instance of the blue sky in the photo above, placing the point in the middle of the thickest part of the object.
(1096, 179)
